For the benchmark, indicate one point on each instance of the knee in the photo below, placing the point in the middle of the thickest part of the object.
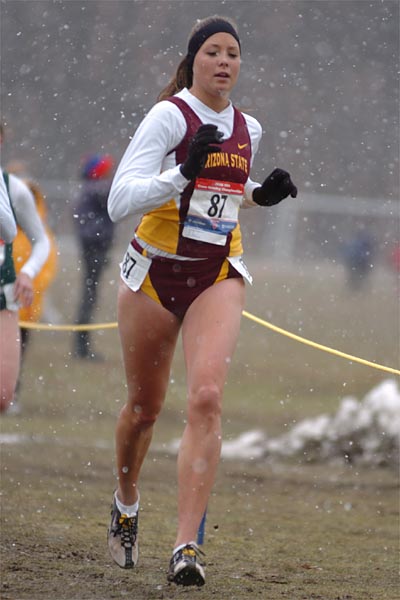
(205, 402)
(140, 417)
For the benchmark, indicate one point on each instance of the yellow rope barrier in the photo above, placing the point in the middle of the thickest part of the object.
(50, 327)
(293, 336)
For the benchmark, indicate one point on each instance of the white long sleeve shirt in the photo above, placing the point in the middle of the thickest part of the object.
(28, 219)
(8, 227)
(148, 176)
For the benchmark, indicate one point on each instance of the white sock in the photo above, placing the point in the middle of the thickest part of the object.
(183, 545)
(129, 511)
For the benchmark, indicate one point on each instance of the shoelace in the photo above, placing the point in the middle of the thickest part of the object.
(190, 552)
(127, 527)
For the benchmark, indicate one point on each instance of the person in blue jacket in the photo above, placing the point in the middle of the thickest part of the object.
(95, 232)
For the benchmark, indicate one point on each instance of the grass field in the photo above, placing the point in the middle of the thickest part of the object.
(275, 530)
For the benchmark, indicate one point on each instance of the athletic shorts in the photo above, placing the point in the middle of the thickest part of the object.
(7, 301)
(171, 282)
(175, 284)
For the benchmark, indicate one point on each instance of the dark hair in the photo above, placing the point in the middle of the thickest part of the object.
(184, 74)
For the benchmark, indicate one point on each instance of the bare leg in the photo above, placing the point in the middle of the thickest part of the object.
(10, 356)
(210, 331)
(148, 335)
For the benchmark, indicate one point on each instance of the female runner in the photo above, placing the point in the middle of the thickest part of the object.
(186, 171)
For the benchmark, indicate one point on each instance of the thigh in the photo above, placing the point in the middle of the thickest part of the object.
(148, 334)
(10, 348)
(210, 332)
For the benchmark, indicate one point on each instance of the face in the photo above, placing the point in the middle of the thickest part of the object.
(216, 67)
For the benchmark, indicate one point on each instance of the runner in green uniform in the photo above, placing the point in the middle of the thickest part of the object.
(16, 291)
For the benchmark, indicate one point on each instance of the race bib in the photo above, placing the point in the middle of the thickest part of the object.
(213, 211)
(134, 268)
(238, 263)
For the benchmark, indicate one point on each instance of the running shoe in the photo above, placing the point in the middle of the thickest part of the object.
(185, 567)
(122, 538)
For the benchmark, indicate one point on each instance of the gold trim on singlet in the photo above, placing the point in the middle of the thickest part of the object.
(160, 228)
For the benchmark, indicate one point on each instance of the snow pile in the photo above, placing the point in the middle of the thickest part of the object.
(366, 431)
(249, 445)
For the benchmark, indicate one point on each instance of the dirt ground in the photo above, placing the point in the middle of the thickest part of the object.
(294, 530)
(272, 532)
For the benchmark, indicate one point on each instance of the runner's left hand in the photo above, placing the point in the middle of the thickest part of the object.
(275, 188)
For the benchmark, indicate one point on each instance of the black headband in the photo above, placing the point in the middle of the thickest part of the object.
(200, 36)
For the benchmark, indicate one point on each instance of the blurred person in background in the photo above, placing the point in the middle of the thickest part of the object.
(358, 258)
(95, 233)
(17, 290)
(21, 250)
(394, 258)
(187, 171)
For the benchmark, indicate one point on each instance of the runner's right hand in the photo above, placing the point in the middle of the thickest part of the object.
(200, 146)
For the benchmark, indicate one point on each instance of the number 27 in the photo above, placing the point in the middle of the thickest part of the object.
(128, 264)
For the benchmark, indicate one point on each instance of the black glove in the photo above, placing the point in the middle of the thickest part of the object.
(199, 148)
(275, 188)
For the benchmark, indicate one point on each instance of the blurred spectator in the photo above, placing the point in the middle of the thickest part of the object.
(358, 257)
(21, 252)
(22, 248)
(95, 232)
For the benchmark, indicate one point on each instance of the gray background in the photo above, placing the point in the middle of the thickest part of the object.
(321, 77)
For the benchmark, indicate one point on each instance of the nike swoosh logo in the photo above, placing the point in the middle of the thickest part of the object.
(241, 146)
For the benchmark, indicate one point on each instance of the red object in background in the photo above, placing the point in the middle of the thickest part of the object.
(395, 258)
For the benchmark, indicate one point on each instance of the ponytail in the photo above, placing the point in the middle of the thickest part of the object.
(182, 78)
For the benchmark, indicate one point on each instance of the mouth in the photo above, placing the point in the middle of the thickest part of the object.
(222, 75)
